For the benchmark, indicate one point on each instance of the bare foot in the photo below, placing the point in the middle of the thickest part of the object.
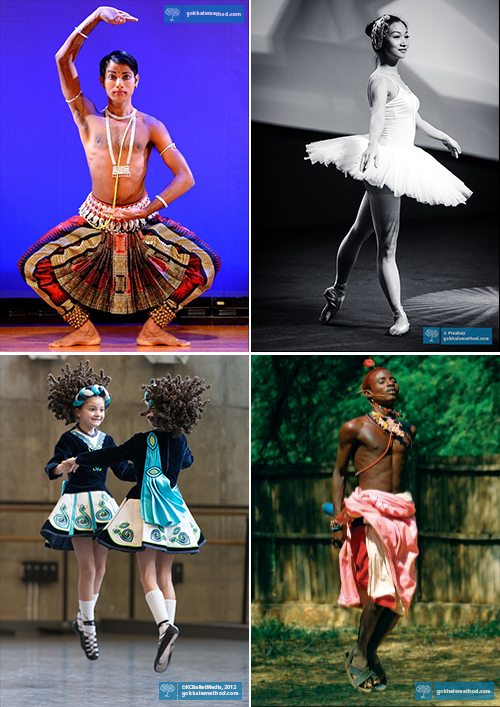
(153, 335)
(86, 335)
(373, 659)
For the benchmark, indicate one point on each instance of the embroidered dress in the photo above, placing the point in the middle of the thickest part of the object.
(86, 505)
(402, 167)
(122, 267)
(154, 514)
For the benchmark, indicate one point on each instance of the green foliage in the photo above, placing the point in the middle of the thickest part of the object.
(300, 402)
(476, 630)
(273, 637)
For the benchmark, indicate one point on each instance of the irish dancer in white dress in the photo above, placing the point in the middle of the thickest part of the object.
(153, 520)
(390, 165)
(80, 398)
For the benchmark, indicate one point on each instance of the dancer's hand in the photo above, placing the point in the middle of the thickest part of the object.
(371, 153)
(338, 538)
(452, 146)
(115, 17)
(68, 466)
(119, 214)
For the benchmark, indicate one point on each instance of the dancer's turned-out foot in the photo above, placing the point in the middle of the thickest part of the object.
(86, 335)
(401, 324)
(153, 335)
(334, 296)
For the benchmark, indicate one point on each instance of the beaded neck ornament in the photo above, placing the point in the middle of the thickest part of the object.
(389, 425)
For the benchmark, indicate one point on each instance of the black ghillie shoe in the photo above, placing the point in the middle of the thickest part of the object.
(334, 299)
(79, 633)
(90, 642)
(165, 647)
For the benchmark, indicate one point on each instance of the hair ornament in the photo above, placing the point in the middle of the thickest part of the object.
(379, 31)
(368, 363)
(89, 392)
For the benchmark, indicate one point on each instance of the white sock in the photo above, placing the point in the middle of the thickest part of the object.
(87, 614)
(156, 603)
(170, 605)
(96, 596)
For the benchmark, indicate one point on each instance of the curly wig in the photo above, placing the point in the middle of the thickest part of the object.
(175, 404)
(64, 388)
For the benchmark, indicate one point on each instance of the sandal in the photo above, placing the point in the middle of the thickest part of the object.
(379, 672)
(357, 676)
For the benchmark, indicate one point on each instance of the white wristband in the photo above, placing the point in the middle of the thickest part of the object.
(162, 200)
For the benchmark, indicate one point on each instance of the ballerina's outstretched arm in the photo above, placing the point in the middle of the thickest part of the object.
(429, 130)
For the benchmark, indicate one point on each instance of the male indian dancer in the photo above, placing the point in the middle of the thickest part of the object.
(119, 255)
(375, 526)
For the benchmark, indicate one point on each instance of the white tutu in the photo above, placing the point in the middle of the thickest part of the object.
(406, 171)
(402, 167)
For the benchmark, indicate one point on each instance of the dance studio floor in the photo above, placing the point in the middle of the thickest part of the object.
(449, 276)
(40, 670)
(122, 338)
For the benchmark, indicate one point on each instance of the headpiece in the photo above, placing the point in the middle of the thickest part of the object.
(369, 363)
(70, 390)
(89, 392)
(379, 31)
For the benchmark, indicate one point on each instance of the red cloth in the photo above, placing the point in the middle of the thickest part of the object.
(360, 561)
(392, 546)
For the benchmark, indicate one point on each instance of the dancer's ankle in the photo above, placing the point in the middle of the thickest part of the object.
(399, 313)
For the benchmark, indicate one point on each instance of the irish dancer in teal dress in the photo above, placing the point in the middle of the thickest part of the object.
(153, 520)
(80, 398)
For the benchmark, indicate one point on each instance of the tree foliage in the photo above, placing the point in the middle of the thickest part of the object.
(300, 402)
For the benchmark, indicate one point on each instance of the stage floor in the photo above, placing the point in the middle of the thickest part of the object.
(39, 670)
(122, 338)
(449, 278)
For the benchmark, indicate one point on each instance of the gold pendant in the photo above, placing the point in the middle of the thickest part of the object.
(122, 171)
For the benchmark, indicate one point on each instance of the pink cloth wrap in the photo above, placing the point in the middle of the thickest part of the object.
(390, 519)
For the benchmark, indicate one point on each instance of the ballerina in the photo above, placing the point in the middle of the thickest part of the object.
(390, 165)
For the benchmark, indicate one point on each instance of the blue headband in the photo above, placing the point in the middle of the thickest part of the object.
(89, 392)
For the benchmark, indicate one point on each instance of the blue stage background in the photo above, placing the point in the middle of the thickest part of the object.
(193, 77)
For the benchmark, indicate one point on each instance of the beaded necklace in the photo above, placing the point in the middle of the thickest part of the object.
(390, 427)
(121, 170)
(388, 424)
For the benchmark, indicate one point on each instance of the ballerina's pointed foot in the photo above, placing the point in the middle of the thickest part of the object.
(334, 300)
(401, 324)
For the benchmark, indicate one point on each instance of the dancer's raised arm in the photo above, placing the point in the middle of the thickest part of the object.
(66, 56)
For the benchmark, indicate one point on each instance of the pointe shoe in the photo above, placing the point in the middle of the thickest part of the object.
(401, 324)
(334, 299)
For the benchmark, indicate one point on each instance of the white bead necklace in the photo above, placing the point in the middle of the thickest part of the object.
(121, 170)
(119, 117)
